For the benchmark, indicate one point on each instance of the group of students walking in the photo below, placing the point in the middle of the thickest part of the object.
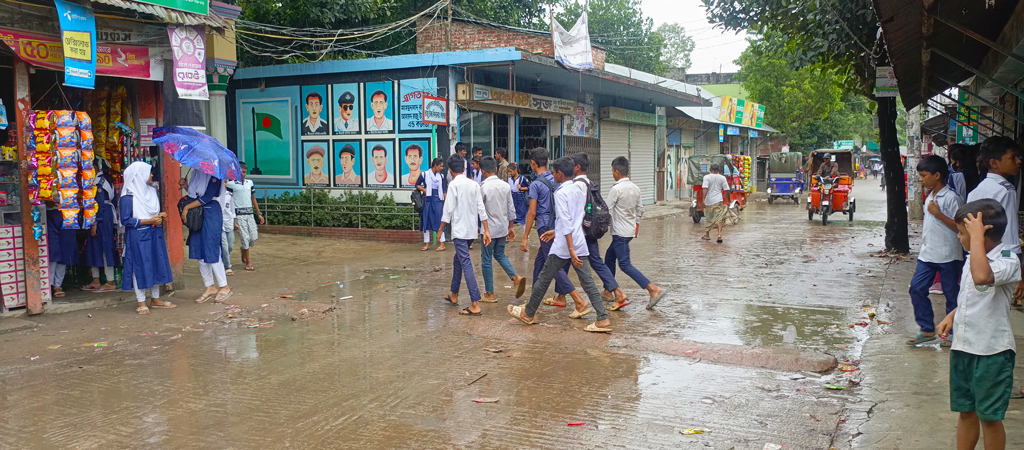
(568, 213)
(972, 208)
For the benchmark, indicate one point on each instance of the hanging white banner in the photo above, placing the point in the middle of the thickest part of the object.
(572, 48)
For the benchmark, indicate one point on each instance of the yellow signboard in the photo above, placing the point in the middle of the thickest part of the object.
(77, 45)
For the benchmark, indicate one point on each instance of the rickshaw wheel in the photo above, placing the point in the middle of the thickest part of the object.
(824, 218)
(796, 199)
(770, 201)
(810, 214)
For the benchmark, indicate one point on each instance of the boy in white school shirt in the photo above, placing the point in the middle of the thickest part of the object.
(500, 211)
(463, 207)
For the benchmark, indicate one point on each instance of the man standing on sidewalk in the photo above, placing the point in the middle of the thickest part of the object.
(611, 287)
(500, 210)
(626, 208)
(463, 206)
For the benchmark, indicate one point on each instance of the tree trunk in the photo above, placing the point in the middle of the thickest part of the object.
(897, 239)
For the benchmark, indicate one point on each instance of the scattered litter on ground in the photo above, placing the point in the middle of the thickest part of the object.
(174, 337)
(287, 296)
(402, 286)
(95, 344)
(690, 352)
(835, 387)
(264, 305)
(303, 311)
(796, 376)
(573, 424)
(148, 333)
(33, 358)
(89, 316)
(707, 401)
(692, 431)
(478, 379)
(493, 350)
(485, 400)
(345, 297)
(267, 326)
(882, 322)
(380, 285)
(394, 276)
(54, 347)
(847, 368)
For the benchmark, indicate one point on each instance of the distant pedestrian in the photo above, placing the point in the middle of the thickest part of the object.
(941, 252)
(247, 213)
(99, 245)
(431, 184)
(62, 247)
(204, 245)
(463, 208)
(146, 265)
(501, 155)
(983, 353)
(477, 175)
(875, 167)
(963, 174)
(568, 247)
(1001, 155)
(611, 290)
(626, 206)
(227, 239)
(500, 212)
(520, 190)
(716, 212)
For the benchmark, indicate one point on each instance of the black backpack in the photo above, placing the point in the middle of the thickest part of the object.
(596, 217)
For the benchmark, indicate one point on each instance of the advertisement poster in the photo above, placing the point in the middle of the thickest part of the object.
(572, 48)
(188, 46)
(415, 160)
(314, 170)
(379, 110)
(345, 107)
(346, 164)
(266, 136)
(435, 110)
(313, 121)
(380, 165)
(410, 111)
(112, 59)
(78, 38)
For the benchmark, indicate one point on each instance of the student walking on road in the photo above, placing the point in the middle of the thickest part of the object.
(568, 247)
(1001, 156)
(626, 207)
(716, 211)
(607, 276)
(431, 184)
(463, 207)
(500, 211)
(520, 189)
(247, 211)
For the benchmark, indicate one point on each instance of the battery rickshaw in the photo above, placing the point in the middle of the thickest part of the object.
(785, 179)
(831, 194)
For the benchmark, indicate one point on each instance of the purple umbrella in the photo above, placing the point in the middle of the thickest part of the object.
(198, 151)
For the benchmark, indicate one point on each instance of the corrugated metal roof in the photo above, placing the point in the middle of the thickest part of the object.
(711, 113)
(170, 15)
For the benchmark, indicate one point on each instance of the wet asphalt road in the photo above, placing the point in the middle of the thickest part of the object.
(392, 366)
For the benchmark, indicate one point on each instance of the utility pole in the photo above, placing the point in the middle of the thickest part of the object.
(448, 28)
(914, 198)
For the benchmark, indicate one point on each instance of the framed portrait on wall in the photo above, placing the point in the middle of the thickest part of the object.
(314, 169)
(314, 122)
(380, 163)
(379, 107)
(415, 159)
(345, 106)
(347, 168)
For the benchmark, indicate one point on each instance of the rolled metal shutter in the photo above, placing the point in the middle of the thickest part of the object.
(614, 143)
(642, 161)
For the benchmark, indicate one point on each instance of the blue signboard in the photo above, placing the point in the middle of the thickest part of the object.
(78, 37)
(732, 131)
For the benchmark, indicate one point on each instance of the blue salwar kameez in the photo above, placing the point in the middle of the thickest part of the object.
(145, 251)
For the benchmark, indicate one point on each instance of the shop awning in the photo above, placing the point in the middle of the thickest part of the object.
(711, 114)
(170, 15)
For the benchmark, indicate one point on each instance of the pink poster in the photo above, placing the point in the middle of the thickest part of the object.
(112, 59)
(188, 45)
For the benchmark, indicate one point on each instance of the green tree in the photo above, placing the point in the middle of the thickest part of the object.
(619, 26)
(678, 46)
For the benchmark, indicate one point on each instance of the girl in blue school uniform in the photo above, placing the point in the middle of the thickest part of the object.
(431, 184)
(520, 190)
(99, 246)
(146, 265)
(62, 247)
(204, 245)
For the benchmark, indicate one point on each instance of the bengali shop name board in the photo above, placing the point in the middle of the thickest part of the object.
(511, 99)
(614, 114)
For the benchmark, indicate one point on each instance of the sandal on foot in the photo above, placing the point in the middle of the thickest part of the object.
(221, 296)
(448, 298)
(229, 272)
(250, 268)
(517, 311)
(578, 314)
(165, 305)
(593, 328)
(946, 343)
(705, 238)
(521, 287)
(205, 298)
(551, 301)
(439, 249)
(142, 310)
(58, 292)
(654, 301)
(425, 248)
(719, 240)
(105, 288)
(466, 312)
(618, 307)
(90, 288)
(487, 300)
(920, 339)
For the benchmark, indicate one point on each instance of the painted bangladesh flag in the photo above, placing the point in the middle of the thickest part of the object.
(269, 123)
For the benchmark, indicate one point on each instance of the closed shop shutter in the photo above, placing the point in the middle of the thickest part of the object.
(686, 138)
(642, 161)
(614, 143)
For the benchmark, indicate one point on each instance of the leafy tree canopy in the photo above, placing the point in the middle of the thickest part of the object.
(678, 46)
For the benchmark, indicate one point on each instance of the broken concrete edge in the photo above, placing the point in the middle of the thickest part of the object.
(11, 324)
(773, 358)
(64, 307)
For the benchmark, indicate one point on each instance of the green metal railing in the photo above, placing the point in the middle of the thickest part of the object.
(323, 207)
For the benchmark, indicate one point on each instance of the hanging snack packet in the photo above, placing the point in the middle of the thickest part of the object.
(67, 138)
(89, 194)
(85, 139)
(88, 205)
(84, 122)
(67, 158)
(68, 198)
(68, 179)
(88, 182)
(65, 119)
(86, 164)
(89, 221)
(70, 219)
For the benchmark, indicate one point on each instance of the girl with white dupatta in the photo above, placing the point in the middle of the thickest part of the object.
(146, 265)
(205, 245)
(431, 184)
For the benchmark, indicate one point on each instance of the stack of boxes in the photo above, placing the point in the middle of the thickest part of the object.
(12, 267)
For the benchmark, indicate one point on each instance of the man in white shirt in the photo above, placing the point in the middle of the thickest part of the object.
(247, 210)
(227, 239)
(500, 211)
(463, 206)
(377, 123)
(568, 245)
(626, 208)
(611, 287)
(1002, 157)
(380, 176)
(715, 210)
(313, 125)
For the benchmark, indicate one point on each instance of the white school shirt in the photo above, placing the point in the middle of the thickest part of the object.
(713, 185)
(626, 207)
(569, 204)
(463, 205)
(498, 202)
(997, 188)
(981, 325)
(939, 243)
(241, 193)
(227, 209)
(432, 182)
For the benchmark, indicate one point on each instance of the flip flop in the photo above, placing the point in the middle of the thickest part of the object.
(705, 238)
(654, 301)
(486, 300)
(250, 268)
(620, 307)
(449, 299)
(921, 339)
(719, 240)
(551, 302)
(439, 249)
(205, 298)
(593, 328)
(466, 312)
(166, 305)
(578, 314)
(946, 343)
(221, 296)
(142, 310)
(521, 287)
(90, 288)
(104, 288)
(517, 311)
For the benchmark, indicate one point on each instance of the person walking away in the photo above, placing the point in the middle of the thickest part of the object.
(227, 238)
(716, 212)
(520, 189)
(500, 211)
(1002, 157)
(983, 353)
(941, 252)
(431, 184)
(957, 181)
(501, 155)
(146, 265)
(463, 208)
(99, 246)
(568, 247)
(247, 212)
(62, 246)
(626, 207)
(611, 287)
(204, 245)
(542, 213)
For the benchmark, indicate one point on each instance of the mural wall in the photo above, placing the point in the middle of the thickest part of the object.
(346, 135)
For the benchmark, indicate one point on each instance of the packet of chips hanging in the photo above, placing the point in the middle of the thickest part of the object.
(67, 138)
(46, 187)
(86, 164)
(70, 219)
(84, 122)
(88, 182)
(88, 194)
(85, 139)
(68, 198)
(44, 120)
(89, 221)
(88, 203)
(67, 158)
(65, 119)
(68, 179)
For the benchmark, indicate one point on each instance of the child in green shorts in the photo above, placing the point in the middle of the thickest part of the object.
(983, 353)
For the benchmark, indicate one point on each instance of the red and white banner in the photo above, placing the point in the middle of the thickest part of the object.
(112, 59)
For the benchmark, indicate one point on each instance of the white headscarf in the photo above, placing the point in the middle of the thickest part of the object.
(197, 185)
(145, 200)
(103, 183)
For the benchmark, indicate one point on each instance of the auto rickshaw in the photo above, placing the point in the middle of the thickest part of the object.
(784, 176)
(697, 167)
(829, 194)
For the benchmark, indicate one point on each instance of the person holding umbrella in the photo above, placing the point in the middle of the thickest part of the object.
(146, 265)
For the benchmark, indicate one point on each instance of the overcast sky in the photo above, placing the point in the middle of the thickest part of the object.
(715, 51)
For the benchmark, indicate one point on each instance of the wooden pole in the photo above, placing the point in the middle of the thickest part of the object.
(23, 103)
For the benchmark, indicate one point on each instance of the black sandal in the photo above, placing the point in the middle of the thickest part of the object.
(719, 240)
(449, 299)
(466, 312)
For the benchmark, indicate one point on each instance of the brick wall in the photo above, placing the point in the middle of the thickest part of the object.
(474, 36)
(357, 234)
